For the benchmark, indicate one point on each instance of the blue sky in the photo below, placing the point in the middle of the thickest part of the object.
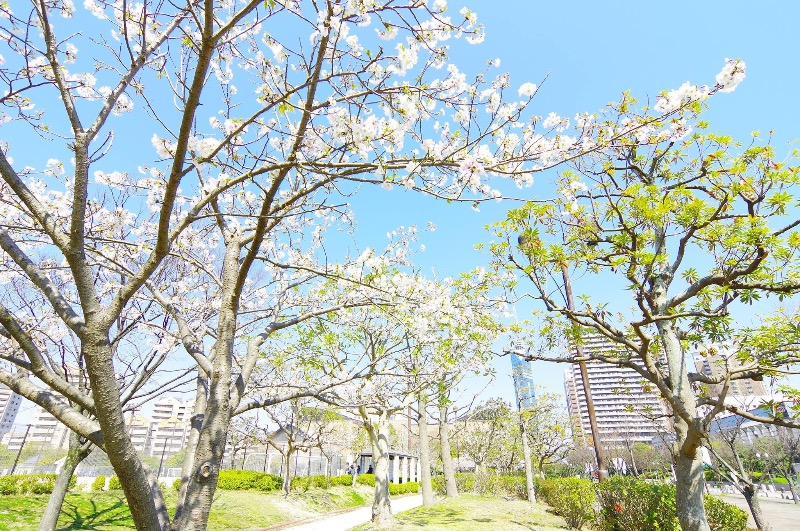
(591, 52)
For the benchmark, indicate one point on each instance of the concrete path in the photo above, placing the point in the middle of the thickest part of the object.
(350, 519)
(782, 515)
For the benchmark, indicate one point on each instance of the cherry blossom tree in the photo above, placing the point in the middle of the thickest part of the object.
(177, 137)
(692, 224)
(408, 344)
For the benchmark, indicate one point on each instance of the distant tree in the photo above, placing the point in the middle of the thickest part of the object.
(547, 429)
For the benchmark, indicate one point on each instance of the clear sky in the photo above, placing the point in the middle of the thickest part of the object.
(590, 52)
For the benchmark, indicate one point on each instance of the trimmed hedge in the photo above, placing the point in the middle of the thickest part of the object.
(412, 487)
(630, 503)
(303, 483)
(99, 483)
(723, 516)
(114, 483)
(29, 484)
(248, 480)
(344, 481)
(571, 498)
(486, 484)
(366, 479)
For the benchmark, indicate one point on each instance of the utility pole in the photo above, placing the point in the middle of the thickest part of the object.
(602, 473)
(21, 446)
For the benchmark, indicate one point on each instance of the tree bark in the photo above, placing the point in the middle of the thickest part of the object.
(424, 454)
(378, 430)
(751, 497)
(689, 477)
(451, 487)
(146, 509)
(526, 456)
(689, 492)
(201, 397)
(287, 471)
(75, 454)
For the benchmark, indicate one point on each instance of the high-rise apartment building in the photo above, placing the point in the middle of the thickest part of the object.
(9, 406)
(717, 360)
(522, 373)
(627, 410)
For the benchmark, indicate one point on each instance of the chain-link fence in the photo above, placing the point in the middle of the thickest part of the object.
(24, 455)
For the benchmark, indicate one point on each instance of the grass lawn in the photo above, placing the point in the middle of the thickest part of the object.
(235, 510)
(470, 512)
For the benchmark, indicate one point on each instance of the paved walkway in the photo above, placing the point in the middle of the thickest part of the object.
(350, 519)
(783, 515)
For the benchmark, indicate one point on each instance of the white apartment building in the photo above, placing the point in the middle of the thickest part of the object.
(9, 406)
(169, 429)
(717, 360)
(626, 410)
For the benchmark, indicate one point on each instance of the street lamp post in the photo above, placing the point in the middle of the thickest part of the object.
(602, 472)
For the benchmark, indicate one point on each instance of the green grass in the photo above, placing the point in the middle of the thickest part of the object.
(234, 510)
(470, 512)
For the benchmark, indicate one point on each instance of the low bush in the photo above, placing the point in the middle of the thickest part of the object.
(99, 483)
(366, 479)
(114, 483)
(629, 503)
(300, 483)
(412, 487)
(344, 481)
(248, 480)
(723, 516)
(27, 484)
(176, 484)
(570, 498)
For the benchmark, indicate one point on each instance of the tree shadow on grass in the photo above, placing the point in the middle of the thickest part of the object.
(94, 513)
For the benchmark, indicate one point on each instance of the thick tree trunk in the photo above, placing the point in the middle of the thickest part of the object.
(201, 398)
(75, 454)
(213, 433)
(146, 509)
(203, 480)
(751, 497)
(689, 477)
(689, 492)
(424, 454)
(448, 469)
(526, 456)
(378, 431)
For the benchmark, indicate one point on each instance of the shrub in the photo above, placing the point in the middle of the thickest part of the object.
(267, 483)
(629, 503)
(8, 485)
(99, 483)
(41, 483)
(73, 481)
(570, 498)
(300, 484)
(723, 516)
(176, 484)
(319, 481)
(344, 481)
(366, 479)
(248, 480)
(412, 487)
(114, 483)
